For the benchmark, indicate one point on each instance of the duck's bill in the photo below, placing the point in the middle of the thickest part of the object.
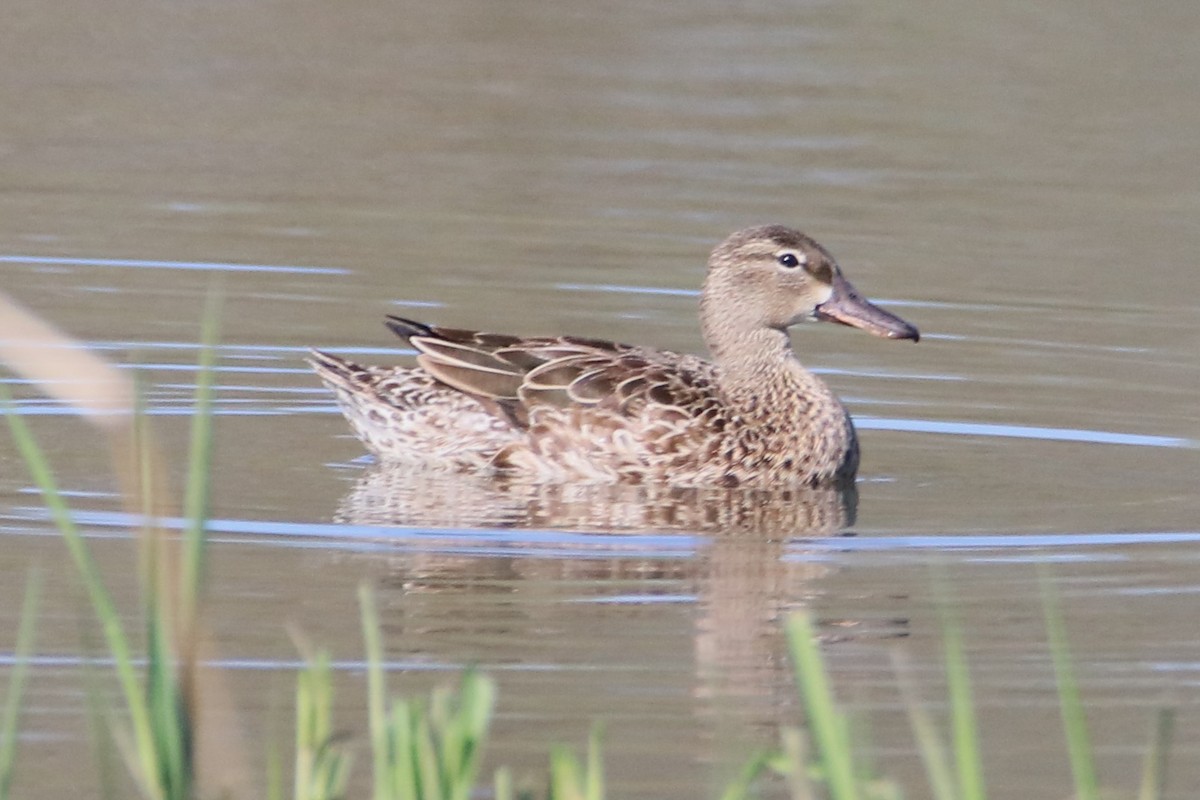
(848, 307)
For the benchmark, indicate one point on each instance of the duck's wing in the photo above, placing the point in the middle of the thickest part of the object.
(525, 374)
(489, 365)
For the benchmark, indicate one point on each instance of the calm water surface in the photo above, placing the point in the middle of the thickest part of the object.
(1019, 181)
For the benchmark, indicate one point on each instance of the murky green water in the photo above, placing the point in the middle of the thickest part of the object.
(1019, 181)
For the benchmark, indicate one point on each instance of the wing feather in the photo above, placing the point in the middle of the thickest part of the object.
(525, 374)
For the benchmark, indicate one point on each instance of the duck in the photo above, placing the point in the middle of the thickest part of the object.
(562, 409)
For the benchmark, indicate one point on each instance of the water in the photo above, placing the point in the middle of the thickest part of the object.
(1017, 181)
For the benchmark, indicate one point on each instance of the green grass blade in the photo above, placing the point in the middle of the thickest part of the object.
(739, 787)
(171, 732)
(477, 701)
(929, 743)
(826, 723)
(376, 693)
(502, 784)
(449, 735)
(792, 763)
(98, 596)
(401, 764)
(429, 778)
(1079, 746)
(196, 493)
(1154, 772)
(565, 780)
(274, 789)
(322, 765)
(595, 764)
(16, 682)
(964, 727)
(100, 731)
(307, 727)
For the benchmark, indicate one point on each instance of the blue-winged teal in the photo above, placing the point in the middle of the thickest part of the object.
(570, 409)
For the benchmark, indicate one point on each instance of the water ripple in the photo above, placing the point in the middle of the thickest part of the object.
(1018, 432)
(549, 543)
(216, 266)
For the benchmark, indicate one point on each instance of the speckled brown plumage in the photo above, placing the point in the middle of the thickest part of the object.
(562, 409)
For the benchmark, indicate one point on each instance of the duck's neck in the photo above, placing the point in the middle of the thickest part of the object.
(756, 365)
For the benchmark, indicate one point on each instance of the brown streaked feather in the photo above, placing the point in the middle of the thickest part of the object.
(593, 387)
(469, 369)
(448, 352)
(523, 374)
(477, 381)
(407, 328)
(407, 415)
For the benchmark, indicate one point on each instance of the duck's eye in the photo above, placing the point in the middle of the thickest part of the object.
(789, 260)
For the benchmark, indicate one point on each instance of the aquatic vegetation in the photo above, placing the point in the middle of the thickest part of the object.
(423, 753)
(160, 749)
(322, 767)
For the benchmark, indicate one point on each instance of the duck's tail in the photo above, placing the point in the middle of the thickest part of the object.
(337, 373)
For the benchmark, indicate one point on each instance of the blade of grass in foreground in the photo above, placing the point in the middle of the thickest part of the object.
(1079, 745)
(739, 787)
(196, 493)
(828, 726)
(16, 682)
(793, 755)
(571, 781)
(165, 747)
(322, 765)
(101, 726)
(929, 742)
(595, 766)
(376, 692)
(962, 710)
(423, 752)
(1154, 773)
(98, 596)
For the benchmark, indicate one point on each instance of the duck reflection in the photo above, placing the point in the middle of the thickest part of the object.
(390, 494)
(742, 567)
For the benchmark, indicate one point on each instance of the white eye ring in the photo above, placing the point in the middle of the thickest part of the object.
(791, 259)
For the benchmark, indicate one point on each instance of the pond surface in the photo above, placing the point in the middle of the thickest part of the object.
(1019, 181)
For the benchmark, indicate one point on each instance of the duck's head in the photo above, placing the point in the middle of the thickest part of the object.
(772, 277)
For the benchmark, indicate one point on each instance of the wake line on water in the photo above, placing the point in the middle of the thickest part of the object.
(549, 543)
(1018, 432)
(212, 266)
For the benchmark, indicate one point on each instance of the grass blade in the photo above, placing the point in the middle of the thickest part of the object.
(100, 731)
(962, 711)
(322, 765)
(930, 745)
(1079, 746)
(16, 682)
(739, 787)
(502, 784)
(1154, 771)
(425, 753)
(595, 764)
(565, 782)
(828, 727)
(196, 492)
(101, 602)
(376, 695)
